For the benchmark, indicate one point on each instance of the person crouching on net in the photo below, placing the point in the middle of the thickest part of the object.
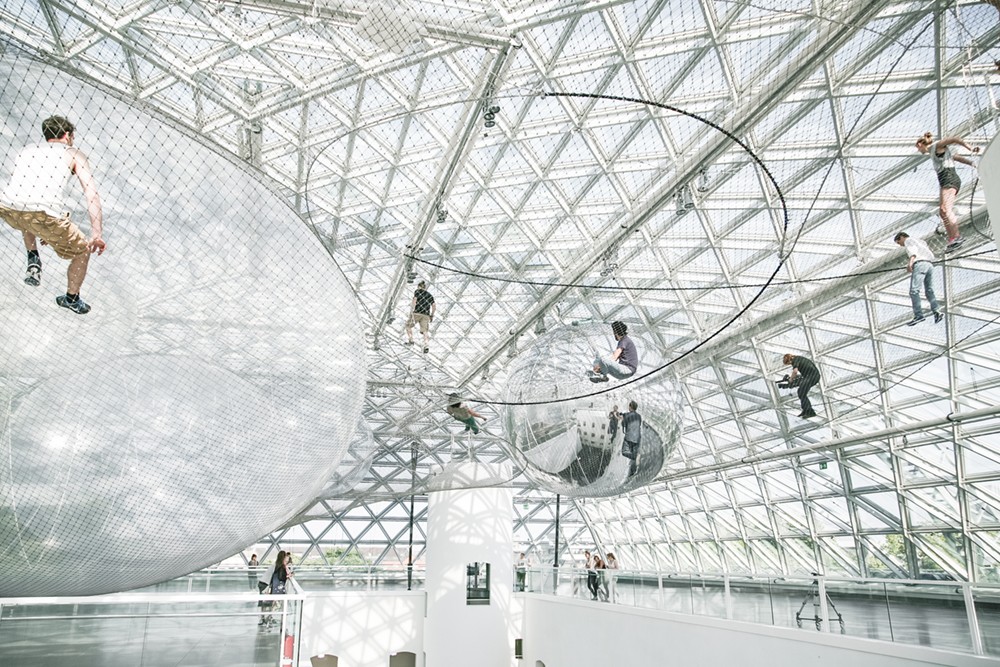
(463, 414)
(33, 203)
(622, 362)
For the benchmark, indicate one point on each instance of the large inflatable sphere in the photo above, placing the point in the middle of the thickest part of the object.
(208, 395)
(575, 447)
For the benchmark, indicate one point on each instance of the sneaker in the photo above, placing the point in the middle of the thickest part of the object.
(409, 342)
(33, 276)
(808, 414)
(954, 244)
(596, 377)
(938, 317)
(426, 349)
(79, 306)
(917, 319)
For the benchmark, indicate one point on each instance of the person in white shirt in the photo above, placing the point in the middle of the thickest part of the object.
(921, 270)
(34, 204)
(943, 157)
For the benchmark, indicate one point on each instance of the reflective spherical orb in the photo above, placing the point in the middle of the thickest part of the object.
(575, 447)
(211, 391)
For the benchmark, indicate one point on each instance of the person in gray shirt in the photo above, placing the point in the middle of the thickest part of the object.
(622, 362)
(921, 270)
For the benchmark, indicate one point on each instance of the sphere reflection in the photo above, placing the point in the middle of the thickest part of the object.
(574, 447)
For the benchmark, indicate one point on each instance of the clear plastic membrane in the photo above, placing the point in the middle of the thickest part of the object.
(355, 464)
(210, 393)
(570, 447)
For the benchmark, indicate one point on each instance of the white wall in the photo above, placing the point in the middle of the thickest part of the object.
(467, 526)
(989, 180)
(577, 633)
(363, 628)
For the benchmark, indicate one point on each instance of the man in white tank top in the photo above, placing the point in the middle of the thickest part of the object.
(34, 204)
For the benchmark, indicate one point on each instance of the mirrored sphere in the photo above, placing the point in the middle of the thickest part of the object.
(574, 447)
(210, 393)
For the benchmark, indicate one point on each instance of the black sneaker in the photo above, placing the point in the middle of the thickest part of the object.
(33, 276)
(938, 317)
(596, 377)
(955, 245)
(917, 319)
(409, 342)
(79, 306)
(426, 349)
(808, 414)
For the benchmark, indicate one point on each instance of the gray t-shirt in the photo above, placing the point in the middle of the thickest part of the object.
(629, 356)
(946, 160)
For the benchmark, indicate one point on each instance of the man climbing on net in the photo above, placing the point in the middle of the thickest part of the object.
(622, 361)
(33, 203)
(805, 376)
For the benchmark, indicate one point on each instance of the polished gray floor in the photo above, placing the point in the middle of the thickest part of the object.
(137, 636)
(923, 616)
(212, 634)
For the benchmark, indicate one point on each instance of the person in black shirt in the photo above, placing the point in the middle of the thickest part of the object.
(421, 312)
(632, 428)
(801, 366)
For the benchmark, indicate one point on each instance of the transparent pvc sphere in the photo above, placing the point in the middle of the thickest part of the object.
(574, 447)
(211, 391)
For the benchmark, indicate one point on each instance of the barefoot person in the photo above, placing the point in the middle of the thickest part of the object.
(33, 204)
(943, 157)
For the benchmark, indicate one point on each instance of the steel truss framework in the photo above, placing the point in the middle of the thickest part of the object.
(377, 137)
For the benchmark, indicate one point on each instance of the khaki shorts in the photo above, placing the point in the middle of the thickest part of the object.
(420, 318)
(60, 233)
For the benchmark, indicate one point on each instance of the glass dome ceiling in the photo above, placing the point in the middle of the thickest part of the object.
(533, 161)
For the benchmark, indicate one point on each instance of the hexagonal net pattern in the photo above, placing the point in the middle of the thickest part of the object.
(204, 398)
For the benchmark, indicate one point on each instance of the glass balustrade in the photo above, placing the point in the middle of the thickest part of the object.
(945, 615)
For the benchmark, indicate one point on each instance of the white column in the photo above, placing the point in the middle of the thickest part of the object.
(989, 180)
(467, 526)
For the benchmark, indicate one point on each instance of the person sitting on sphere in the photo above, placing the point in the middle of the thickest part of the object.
(422, 309)
(921, 269)
(632, 429)
(801, 366)
(33, 203)
(622, 362)
(943, 158)
(463, 414)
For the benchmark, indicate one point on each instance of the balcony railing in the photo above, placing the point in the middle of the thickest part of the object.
(946, 615)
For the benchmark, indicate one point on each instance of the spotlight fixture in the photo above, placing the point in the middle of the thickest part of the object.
(489, 118)
(701, 185)
(684, 200)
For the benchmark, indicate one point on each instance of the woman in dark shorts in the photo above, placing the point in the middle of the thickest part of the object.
(943, 157)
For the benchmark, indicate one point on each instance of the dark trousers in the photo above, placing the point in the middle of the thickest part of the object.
(807, 383)
(592, 584)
